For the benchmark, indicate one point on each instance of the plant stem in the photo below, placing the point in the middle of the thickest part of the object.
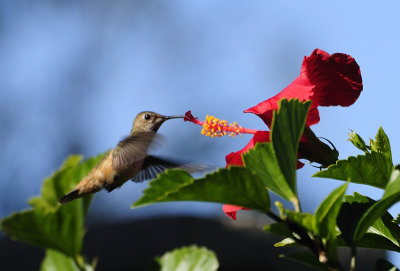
(78, 259)
(353, 258)
(296, 205)
(310, 240)
(274, 216)
(304, 239)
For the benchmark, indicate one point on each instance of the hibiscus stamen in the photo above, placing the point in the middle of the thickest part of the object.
(215, 127)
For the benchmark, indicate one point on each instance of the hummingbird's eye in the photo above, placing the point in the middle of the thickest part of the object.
(147, 116)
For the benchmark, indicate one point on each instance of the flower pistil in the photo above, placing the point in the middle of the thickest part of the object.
(215, 127)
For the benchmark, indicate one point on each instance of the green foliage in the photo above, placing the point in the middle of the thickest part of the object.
(48, 224)
(373, 168)
(57, 261)
(189, 258)
(287, 128)
(236, 185)
(322, 222)
(305, 220)
(358, 141)
(287, 242)
(279, 228)
(326, 214)
(377, 210)
(360, 215)
(306, 258)
(262, 161)
(339, 220)
(397, 220)
(374, 241)
(369, 240)
(370, 169)
(382, 144)
(275, 162)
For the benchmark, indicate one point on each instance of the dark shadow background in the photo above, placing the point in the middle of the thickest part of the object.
(73, 74)
(133, 246)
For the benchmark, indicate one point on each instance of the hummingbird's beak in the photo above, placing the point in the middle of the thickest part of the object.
(172, 117)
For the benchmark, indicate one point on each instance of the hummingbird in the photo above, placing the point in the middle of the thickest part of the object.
(128, 160)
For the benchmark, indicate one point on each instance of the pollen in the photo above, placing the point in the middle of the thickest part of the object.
(215, 127)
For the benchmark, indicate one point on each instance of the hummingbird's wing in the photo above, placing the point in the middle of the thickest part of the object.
(154, 165)
(133, 148)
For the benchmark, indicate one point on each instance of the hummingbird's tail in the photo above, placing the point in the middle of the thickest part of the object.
(70, 196)
(87, 185)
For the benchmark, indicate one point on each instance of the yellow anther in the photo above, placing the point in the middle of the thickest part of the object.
(215, 127)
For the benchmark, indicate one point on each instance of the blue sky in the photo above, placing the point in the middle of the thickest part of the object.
(74, 74)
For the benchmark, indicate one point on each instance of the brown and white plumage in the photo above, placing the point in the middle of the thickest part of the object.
(128, 160)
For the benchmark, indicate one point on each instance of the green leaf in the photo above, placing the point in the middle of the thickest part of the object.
(168, 182)
(379, 208)
(287, 128)
(326, 214)
(375, 241)
(287, 242)
(306, 220)
(57, 261)
(279, 229)
(384, 265)
(397, 220)
(48, 224)
(371, 240)
(61, 230)
(372, 169)
(382, 144)
(236, 185)
(387, 229)
(350, 214)
(357, 141)
(307, 258)
(189, 258)
(361, 215)
(393, 186)
(262, 161)
(275, 163)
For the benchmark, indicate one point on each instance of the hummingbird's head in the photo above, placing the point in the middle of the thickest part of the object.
(148, 121)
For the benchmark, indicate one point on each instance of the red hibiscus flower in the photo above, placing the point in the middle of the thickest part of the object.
(324, 79)
(235, 158)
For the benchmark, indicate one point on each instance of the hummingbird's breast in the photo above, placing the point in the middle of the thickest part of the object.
(127, 173)
(105, 176)
(100, 175)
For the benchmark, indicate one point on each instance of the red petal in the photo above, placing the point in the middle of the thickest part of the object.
(235, 158)
(337, 78)
(230, 210)
(191, 118)
(299, 164)
(324, 79)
